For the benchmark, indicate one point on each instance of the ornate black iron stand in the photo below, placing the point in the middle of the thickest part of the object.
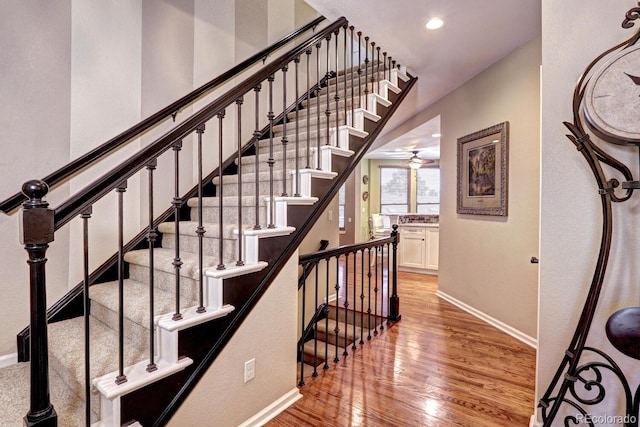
(623, 327)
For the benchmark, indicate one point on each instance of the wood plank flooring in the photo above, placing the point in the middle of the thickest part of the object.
(438, 366)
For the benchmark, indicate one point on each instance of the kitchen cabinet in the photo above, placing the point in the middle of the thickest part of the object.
(418, 248)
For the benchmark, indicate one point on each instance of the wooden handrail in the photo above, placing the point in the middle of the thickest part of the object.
(109, 181)
(82, 162)
(347, 249)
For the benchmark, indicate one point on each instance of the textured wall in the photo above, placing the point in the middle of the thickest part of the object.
(35, 62)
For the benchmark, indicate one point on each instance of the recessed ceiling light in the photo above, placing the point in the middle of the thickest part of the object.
(436, 135)
(434, 23)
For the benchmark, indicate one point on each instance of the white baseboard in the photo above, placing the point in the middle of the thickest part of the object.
(274, 409)
(530, 341)
(534, 421)
(8, 360)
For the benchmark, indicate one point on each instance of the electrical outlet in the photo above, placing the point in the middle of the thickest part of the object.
(249, 370)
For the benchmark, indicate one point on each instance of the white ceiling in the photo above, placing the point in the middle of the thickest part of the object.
(476, 34)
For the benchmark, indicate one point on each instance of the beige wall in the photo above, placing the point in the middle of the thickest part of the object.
(485, 261)
(221, 397)
(570, 206)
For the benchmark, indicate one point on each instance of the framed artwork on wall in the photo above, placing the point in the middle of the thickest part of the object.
(483, 171)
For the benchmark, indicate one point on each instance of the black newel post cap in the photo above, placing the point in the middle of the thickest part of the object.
(35, 190)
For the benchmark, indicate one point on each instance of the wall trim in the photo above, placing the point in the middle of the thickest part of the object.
(534, 422)
(530, 341)
(274, 409)
(8, 360)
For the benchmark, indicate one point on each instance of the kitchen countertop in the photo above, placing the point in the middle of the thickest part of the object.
(420, 224)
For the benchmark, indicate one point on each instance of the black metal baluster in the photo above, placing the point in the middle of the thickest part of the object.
(308, 53)
(318, 157)
(361, 296)
(375, 294)
(355, 298)
(378, 69)
(121, 378)
(352, 72)
(369, 293)
(384, 66)
(360, 70)
(200, 230)
(220, 194)
(297, 193)
(315, 328)
(366, 72)
(177, 204)
(240, 261)
(271, 162)
(256, 145)
(326, 316)
(86, 215)
(344, 67)
(390, 68)
(327, 112)
(373, 67)
(285, 140)
(302, 323)
(346, 303)
(382, 296)
(336, 330)
(336, 97)
(151, 239)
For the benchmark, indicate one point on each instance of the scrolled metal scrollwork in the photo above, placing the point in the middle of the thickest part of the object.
(631, 16)
(584, 416)
(578, 384)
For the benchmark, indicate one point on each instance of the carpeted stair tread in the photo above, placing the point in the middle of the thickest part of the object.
(227, 201)
(188, 228)
(136, 300)
(14, 398)
(163, 261)
(66, 351)
(250, 178)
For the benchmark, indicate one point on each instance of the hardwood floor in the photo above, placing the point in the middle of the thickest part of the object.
(438, 366)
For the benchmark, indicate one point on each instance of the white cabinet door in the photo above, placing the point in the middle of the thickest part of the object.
(412, 247)
(433, 248)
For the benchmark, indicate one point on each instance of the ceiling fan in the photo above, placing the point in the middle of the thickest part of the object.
(416, 162)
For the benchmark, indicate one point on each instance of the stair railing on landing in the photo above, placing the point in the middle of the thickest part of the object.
(363, 271)
(313, 157)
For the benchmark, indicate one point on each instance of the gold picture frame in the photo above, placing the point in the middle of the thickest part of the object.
(483, 171)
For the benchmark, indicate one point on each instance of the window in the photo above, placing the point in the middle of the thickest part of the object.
(341, 202)
(428, 191)
(394, 190)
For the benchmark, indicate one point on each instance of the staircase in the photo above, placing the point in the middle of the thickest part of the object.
(204, 263)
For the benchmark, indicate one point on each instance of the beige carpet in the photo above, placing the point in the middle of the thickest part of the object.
(14, 398)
